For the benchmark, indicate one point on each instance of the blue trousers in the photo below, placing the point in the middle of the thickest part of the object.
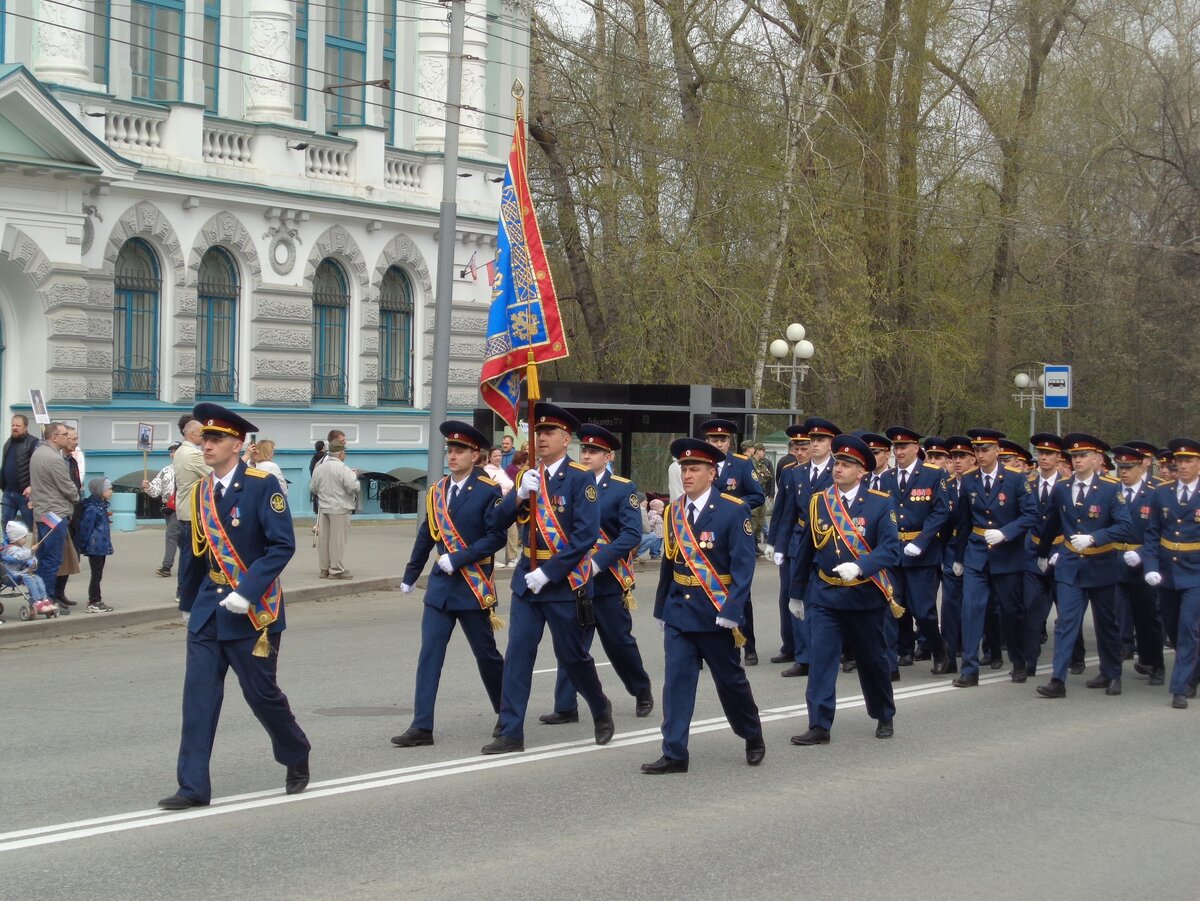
(1141, 602)
(615, 626)
(1187, 640)
(787, 645)
(1037, 597)
(203, 691)
(15, 506)
(977, 588)
(863, 630)
(50, 551)
(916, 589)
(952, 598)
(525, 628)
(1072, 604)
(684, 653)
(436, 628)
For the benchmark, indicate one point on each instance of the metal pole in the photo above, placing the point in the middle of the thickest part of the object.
(1032, 413)
(1058, 423)
(447, 222)
(792, 406)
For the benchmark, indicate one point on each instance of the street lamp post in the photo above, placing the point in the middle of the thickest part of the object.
(1032, 389)
(798, 352)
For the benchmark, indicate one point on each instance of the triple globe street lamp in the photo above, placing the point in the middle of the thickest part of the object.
(800, 350)
(1030, 388)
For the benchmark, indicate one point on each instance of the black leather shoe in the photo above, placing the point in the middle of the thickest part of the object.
(496, 729)
(921, 654)
(296, 780)
(604, 725)
(941, 661)
(1113, 688)
(503, 745)
(756, 750)
(895, 675)
(849, 666)
(1158, 675)
(796, 669)
(1055, 688)
(183, 802)
(1018, 675)
(1141, 669)
(1030, 671)
(814, 736)
(645, 703)
(965, 680)
(751, 658)
(997, 662)
(1100, 681)
(1076, 668)
(905, 660)
(985, 659)
(1179, 702)
(952, 666)
(65, 601)
(558, 717)
(413, 738)
(782, 658)
(665, 765)
(884, 729)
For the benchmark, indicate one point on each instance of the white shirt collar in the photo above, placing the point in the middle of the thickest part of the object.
(459, 484)
(851, 494)
(553, 468)
(600, 475)
(700, 502)
(816, 468)
(910, 469)
(995, 473)
(226, 481)
(1049, 482)
(1191, 487)
(1087, 482)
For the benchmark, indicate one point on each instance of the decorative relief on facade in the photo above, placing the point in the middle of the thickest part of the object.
(69, 389)
(467, 348)
(225, 230)
(270, 53)
(474, 83)
(282, 309)
(185, 331)
(99, 391)
(64, 291)
(401, 251)
(147, 221)
(59, 34)
(273, 366)
(186, 391)
(433, 85)
(338, 243)
(185, 363)
(291, 339)
(100, 327)
(283, 394)
(90, 212)
(187, 302)
(25, 252)
(64, 356)
(371, 397)
(461, 398)
(67, 326)
(100, 358)
(370, 370)
(370, 315)
(370, 343)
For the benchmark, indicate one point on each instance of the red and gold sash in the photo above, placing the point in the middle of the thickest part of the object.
(697, 562)
(848, 532)
(443, 529)
(263, 611)
(622, 571)
(553, 535)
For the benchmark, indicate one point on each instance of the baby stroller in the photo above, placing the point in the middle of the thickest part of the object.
(15, 560)
(13, 591)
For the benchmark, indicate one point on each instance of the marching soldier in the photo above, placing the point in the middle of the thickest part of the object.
(704, 583)
(736, 476)
(462, 522)
(1090, 519)
(229, 591)
(840, 586)
(797, 454)
(1133, 594)
(779, 539)
(995, 511)
(1171, 559)
(613, 580)
(922, 506)
(937, 452)
(962, 462)
(881, 447)
(555, 504)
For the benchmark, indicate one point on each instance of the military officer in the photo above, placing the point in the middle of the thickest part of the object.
(995, 511)
(937, 452)
(779, 537)
(736, 476)
(229, 591)
(613, 579)
(462, 523)
(1089, 521)
(962, 462)
(1171, 560)
(1133, 594)
(555, 504)
(881, 447)
(840, 585)
(704, 583)
(797, 454)
(922, 504)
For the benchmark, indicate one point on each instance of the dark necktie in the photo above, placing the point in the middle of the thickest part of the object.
(1045, 492)
(219, 491)
(453, 494)
(692, 515)
(903, 479)
(1080, 495)
(1183, 495)
(1129, 495)
(875, 482)
(987, 484)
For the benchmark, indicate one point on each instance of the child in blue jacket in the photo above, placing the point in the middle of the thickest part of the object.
(93, 539)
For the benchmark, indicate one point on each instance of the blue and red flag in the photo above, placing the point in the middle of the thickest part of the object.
(524, 325)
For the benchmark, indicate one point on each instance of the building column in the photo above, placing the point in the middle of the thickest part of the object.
(472, 138)
(269, 61)
(59, 50)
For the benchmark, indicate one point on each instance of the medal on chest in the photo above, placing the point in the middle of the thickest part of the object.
(234, 520)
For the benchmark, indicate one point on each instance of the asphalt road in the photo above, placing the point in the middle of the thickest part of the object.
(983, 792)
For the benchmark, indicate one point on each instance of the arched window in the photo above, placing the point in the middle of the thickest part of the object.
(395, 338)
(216, 326)
(137, 289)
(331, 309)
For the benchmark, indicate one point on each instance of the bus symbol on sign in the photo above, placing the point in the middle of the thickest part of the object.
(1058, 387)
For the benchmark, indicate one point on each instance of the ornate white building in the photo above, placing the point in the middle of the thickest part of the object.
(237, 200)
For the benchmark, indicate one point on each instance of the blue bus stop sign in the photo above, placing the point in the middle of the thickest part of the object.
(1058, 387)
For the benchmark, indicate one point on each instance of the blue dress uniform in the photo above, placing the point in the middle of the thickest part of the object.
(1090, 575)
(621, 522)
(1005, 505)
(253, 514)
(474, 509)
(1132, 591)
(922, 504)
(838, 609)
(1171, 550)
(568, 493)
(952, 585)
(784, 488)
(736, 476)
(722, 534)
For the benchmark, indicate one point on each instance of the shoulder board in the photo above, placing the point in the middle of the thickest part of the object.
(1031, 477)
(971, 470)
(730, 497)
(931, 466)
(487, 480)
(621, 479)
(741, 456)
(878, 493)
(256, 473)
(1161, 482)
(788, 465)
(1108, 479)
(1019, 472)
(579, 466)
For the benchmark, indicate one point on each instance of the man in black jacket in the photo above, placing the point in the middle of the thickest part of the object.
(14, 472)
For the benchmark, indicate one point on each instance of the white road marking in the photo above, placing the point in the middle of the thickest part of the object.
(141, 819)
(554, 669)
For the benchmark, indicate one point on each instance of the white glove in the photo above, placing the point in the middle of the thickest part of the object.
(1043, 564)
(1054, 559)
(662, 626)
(184, 616)
(993, 537)
(444, 564)
(1082, 542)
(726, 623)
(769, 550)
(956, 569)
(536, 580)
(778, 558)
(848, 572)
(235, 603)
(912, 549)
(405, 588)
(796, 606)
(530, 482)
(1153, 579)
(1133, 558)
